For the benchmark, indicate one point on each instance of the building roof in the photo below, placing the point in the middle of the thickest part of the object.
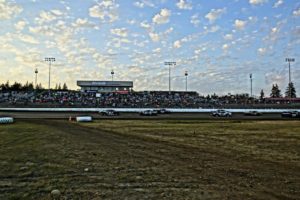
(83, 83)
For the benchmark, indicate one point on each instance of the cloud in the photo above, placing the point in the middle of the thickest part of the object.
(139, 4)
(257, 2)
(83, 23)
(262, 51)
(105, 11)
(214, 14)
(278, 3)
(9, 10)
(296, 12)
(177, 44)
(239, 24)
(182, 4)
(195, 20)
(163, 17)
(154, 37)
(225, 47)
(228, 37)
(20, 25)
(122, 32)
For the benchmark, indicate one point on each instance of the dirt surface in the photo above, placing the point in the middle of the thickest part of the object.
(150, 160)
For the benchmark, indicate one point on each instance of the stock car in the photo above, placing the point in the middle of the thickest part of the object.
(162, 111)
(109, 113)
(253, 113)
(148, 113)
(221, 113)
(290, 114)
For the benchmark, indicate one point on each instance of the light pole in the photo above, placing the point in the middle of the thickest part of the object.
(36, 73)
(50, 60)
(251, 85)
(186, 77)
(170, 64)
(289, 60)
(112, 75)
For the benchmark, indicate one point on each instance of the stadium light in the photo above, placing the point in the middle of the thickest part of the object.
(36, 73)
(170, 64)
(49, 60)
(112, 75)
(250, 85)
(186, 77)
(289, 60)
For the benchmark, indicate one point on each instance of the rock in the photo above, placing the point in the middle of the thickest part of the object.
(86, 169)
(55, 193)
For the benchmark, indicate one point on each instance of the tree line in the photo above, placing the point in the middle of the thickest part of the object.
(276, 92)
(16, 86)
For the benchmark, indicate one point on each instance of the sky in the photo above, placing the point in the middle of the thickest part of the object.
(218, 42)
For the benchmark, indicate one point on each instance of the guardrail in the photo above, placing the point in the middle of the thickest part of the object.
(177, 110)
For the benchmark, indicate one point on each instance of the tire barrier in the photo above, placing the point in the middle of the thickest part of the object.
(84, 119)
(6, 120)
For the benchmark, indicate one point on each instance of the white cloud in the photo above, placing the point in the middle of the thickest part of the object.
(122, 32)
(163, 17)
(139, 4)
(20, 25)
(228, 37)
(177, 44)
(81, 23)
(278, 3)
(296, 12)
(182, 4)
(225, 47)
(262, 51)
(8, 10)
(154, 37)
(145, 25)
(215, 14)
(239, 24)
(195, 20)
(105, 11)
(257, 2)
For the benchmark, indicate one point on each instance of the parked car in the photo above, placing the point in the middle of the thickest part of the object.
(221, 113)
(109, 113)
(290, 114)
(148, 113)
(253, 113)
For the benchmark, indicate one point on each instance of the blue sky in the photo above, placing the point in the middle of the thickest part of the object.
(219, 42)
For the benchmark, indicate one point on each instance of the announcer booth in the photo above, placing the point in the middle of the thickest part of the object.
(105, 86)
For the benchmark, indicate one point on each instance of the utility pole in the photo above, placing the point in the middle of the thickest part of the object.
(186, 79)
(49, 60)
(170, 64)
(251, 85)
(289, 60)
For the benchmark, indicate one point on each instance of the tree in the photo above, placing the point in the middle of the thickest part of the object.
(65, 87)
(275, 92)
(290, 91)
(262, 94)
(59, 86)
(16, 86)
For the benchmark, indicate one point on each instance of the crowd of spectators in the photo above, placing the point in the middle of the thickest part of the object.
(145, 99)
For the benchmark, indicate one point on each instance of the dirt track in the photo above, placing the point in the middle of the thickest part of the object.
(137, 167)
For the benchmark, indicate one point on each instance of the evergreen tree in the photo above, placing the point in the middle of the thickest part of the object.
(275, 92)
(65, 87)
(59, 86)
(290, 91)
(262, 94)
